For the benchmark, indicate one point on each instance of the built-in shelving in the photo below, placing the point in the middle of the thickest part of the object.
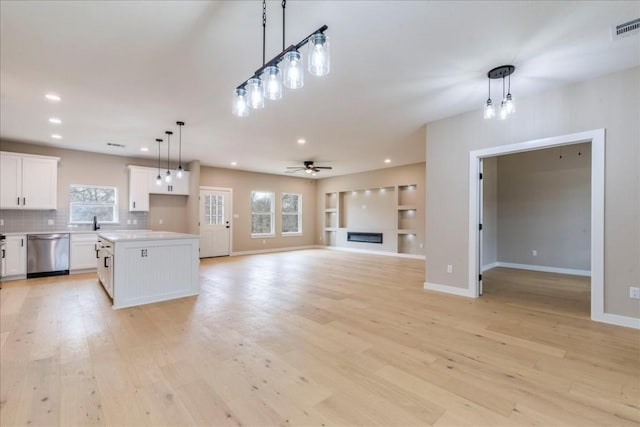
(405, 197)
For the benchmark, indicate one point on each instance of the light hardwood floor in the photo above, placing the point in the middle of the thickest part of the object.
(315, 338)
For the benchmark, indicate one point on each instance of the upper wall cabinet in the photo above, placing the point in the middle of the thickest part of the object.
(28, 181)
(138, 189)
(142, 182)
(177, 187)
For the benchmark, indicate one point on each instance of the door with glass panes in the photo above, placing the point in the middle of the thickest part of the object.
(215, 225)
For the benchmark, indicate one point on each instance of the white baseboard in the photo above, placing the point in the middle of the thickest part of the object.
(616, 319)
(463, 292)
(267, 251)
(542, 268)
(368, 251)
(489, 266)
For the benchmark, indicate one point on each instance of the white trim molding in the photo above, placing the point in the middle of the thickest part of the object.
(454, 290)
(597, 139)
(268, 251)
(368, 251)
(544, 268)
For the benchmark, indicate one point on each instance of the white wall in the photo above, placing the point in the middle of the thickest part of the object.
(490, 211)
(544, 204)
(611, 102)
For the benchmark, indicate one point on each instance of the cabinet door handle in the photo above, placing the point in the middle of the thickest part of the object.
(97, 254)
(105, 262)
(134, 205)
(18, 201)
(22, 243)
(24, 201)
(3, 253)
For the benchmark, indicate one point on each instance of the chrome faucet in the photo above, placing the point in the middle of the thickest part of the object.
(96, 226)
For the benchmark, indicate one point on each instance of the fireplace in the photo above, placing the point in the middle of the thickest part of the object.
(364, 237)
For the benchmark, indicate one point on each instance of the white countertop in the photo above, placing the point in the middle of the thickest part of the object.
(22, 233)
(134, 235)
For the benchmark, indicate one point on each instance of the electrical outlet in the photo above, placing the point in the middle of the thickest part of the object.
(264, 242)
(321, 238)
(49, 222)
(634, 292)
(420, 245)
(449, 268)
(1, 221)
(135, 221)
(129, 221)
(160, 221)
(236, 216)
(534, 253)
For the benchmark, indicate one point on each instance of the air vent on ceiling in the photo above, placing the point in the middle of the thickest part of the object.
(113, 144)
(626, 29)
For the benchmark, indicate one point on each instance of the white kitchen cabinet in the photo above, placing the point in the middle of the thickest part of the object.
(138, 189)
(177, 187)
(28, 181)
(83, 251)
(15, 256)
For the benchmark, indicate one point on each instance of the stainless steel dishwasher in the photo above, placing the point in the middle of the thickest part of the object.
(47, 255)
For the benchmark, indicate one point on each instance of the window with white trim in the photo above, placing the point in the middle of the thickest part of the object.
(262, 213)
(291, 213)
(87, 201)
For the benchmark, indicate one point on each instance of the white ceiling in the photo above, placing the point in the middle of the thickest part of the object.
(126, 71)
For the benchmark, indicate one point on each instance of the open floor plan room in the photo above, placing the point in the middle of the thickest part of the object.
(311, 337)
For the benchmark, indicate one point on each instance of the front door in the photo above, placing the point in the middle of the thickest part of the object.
(215, 228)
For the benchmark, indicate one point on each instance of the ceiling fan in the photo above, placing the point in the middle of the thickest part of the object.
(309, 167)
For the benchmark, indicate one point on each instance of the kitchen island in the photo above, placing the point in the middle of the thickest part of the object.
(138, 268)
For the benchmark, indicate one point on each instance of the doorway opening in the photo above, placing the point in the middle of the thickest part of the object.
(597, 140)
(215, 221)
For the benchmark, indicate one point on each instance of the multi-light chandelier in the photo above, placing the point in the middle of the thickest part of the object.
(267, 81)
(507, 106)
(168, 176)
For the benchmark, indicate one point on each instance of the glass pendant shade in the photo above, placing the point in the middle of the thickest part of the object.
(167, 177)
(272, 82)
(319, 63)
(489, 110)
(503, 110)
(293, 76)
(158, 180)
(240, 103)
(510, 105)
(179, 172)
(255, 92)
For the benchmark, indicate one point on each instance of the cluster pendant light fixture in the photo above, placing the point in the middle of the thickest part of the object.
(179, 173)
(268, 80)
(507, 106)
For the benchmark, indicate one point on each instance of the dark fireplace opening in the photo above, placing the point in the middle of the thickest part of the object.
(364, 237)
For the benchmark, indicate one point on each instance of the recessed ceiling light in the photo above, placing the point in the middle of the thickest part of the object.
(144, 149)
(56, 136)
(302, 141)
(387, 160)
(52, 97)
(55, 120)
(234, 163)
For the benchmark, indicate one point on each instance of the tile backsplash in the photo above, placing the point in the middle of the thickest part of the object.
(16, 221)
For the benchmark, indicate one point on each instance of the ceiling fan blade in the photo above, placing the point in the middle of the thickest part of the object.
(295, 167)
(323, 167)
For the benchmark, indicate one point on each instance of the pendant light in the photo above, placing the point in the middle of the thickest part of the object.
(267, 81)
(507, 105)
(179, 171)
(159, 177)
(167, 177)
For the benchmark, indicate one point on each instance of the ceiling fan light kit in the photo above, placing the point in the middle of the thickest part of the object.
(285, 69)
(308, 167)
(507, 105)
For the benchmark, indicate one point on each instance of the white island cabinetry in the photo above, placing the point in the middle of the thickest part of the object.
(141, 268)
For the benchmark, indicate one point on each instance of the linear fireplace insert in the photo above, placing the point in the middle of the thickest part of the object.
(364, 237)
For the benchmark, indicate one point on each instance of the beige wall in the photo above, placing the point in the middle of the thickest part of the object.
(609, 102)
(490, 211)
(243, 183)
(374, 214)
(82, 167)
(544, 204)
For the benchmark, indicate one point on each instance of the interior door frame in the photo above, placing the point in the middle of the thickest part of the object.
(597, 139)
(230, 190)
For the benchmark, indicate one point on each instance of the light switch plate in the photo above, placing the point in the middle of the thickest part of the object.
(49, 222)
